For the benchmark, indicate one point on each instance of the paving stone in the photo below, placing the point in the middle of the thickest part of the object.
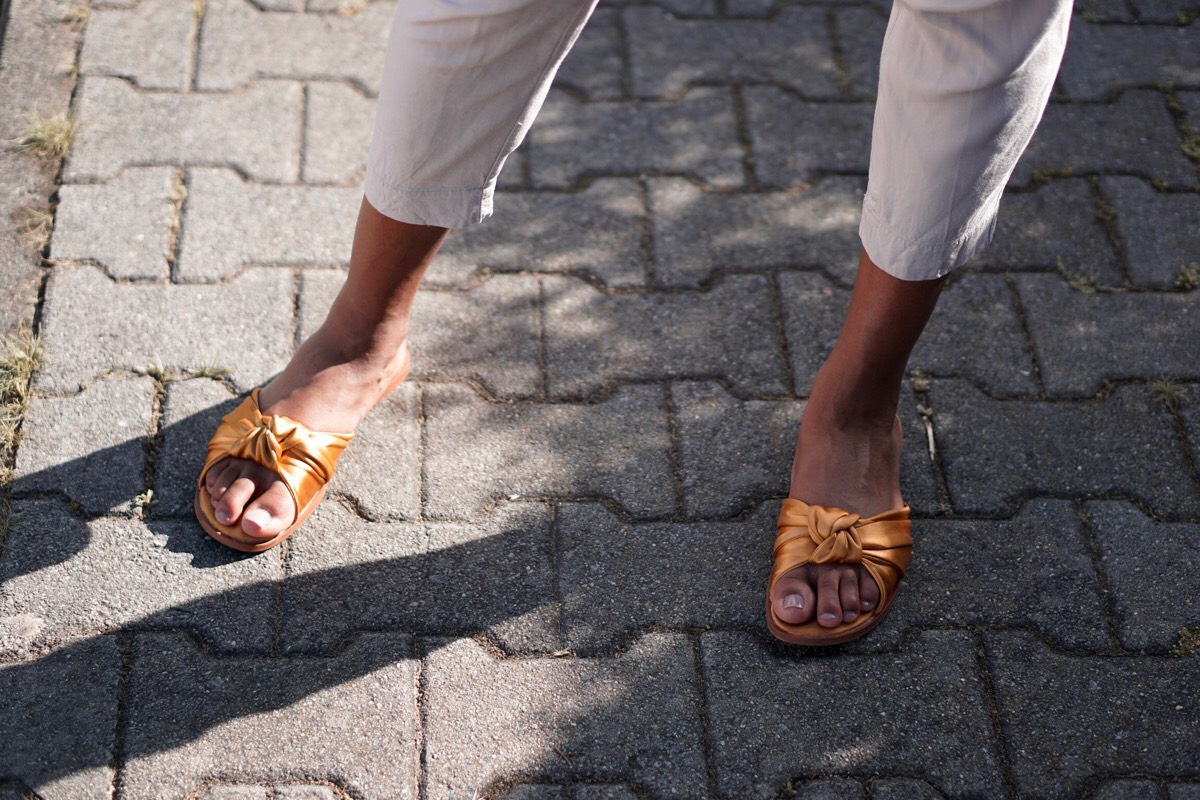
(1167, 12)
(598, 231)
(1053, 224)
(1082, 339)
(795, 142)
(973, 309)
(1184, 791)
(494, 577)
(192, 411)
(697, 233)
(151, 44)
(544, 791)
(90, 447)
(1135, 134)
(729, 331)
(903, 789)
(236, 792)
(1146, 562)
(1191, 105)
(64, 707)
(253, 130)
(594, 65)
(694, 135)
(477, 451)
(124, 225)
(683, 8)
(303, 793)
(631, 717)
(349, 719)
(228, 223)
(995, 451)
(1126, 790)
(79, 577)
(338, 123)
(1104, 11)
(929, 716)
(828, 789)
(1030, 571)
(1137, 715)
(487, 333)
(1161, 231)
(618, 578)
(860, 32)
(93, 325)
(668, 54)
(240, 44)
(1103, 59)
(1189, 408)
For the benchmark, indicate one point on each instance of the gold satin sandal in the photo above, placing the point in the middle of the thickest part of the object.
(303, 458)
(814, 534)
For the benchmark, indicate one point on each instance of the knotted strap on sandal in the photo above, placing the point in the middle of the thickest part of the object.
(304, 459)
(814, 534)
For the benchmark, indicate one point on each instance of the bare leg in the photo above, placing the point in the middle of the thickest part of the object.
(343, 369)
(848, 453)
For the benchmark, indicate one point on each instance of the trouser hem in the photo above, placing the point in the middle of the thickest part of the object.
(446, 208)
(918, 260)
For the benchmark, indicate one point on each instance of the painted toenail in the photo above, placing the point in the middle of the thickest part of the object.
(258, 516)
(793, 601)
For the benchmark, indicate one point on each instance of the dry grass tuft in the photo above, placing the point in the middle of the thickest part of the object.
(1188, 277)
(48, 137)
(1189, 642)
(19, 356)
(77, 15)
(348, 8)
(198, 9)
(35, 225)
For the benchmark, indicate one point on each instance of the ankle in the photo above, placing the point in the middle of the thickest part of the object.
(848, 401)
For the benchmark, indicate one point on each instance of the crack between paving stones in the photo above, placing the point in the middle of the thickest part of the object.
(741, 125)
(993, 709)
(706, 738)
(624, 53)
(1106, 593)
(842, 76)
(543, 367)
(125, 652)
(1030, 348)
(648, 241)
(925, 412)
(789, 375)
(675, 454)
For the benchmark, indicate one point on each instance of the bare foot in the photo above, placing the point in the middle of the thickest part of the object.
(850, 462)
(329, 385)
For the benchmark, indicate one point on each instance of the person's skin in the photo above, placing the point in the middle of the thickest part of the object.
(847, 455)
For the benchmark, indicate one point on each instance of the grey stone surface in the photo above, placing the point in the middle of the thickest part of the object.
(1161, 231)
(151, 44)
(1069, 718)
(1168, 12)
(618, 578)
(597, 232)
(486, 334)
(1184, 791)
(1103, 59)
(778, 716)
(228, 223)
(860, 32)
(239, 45)
(1105, 11)
(668, 55)
(903, 789)
(1052, 224)
(192, 410)
(630, 717)
(828, 789)
(492, 577)
(1127, 790)
(90, 447)
(695, 135)
(65, 577)
(338, 123)
(1189, 405)
(1031, 571)
(1145, 563)
(381, 472)
(698, 233)
(124, 224)
(994, 452)
(37, 73)
(595, 64)
(350, 719)
(63, 710)
(477, 451)
(1082, 339)
(729, 331)
(94, 325)
(795, 141)
(1134, 135)
(254, 130)
(974, 332)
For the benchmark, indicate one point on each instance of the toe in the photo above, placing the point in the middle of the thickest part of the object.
(230, 506)
(212, 478)
(829, 608)
(270, 513)
(848, 593)
(868, 591)
(792, 598)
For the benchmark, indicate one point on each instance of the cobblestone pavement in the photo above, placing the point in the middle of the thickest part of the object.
(540, 574)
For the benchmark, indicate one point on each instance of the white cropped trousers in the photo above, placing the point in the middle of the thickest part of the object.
(962, 86)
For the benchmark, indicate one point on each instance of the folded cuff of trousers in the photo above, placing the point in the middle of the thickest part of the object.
(919, 260)
(446, 208)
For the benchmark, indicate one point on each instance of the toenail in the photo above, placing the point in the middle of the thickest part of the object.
(223, 517)
(866, 604)
(259, 516)
(829, 615)
(851, 616)
(793, 601)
